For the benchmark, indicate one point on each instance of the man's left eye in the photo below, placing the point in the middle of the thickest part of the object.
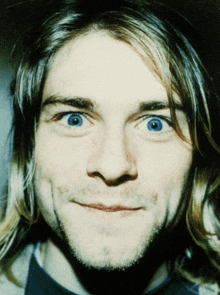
(157, 124)
(155, 128)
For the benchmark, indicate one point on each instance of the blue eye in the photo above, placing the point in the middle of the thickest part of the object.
(74, 124)
(75, 120)
(155, 128)
(155, 124)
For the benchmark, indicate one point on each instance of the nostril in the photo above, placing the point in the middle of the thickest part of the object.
(95, 174)
(113, 181)
(122, 179)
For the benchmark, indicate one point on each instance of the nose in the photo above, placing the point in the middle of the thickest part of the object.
(112, 161)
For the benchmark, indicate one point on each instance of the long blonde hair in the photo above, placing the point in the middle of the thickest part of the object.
(170, 47)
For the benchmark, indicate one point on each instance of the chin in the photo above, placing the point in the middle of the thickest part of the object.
(109, 254)
(107, 259)
(107, 241)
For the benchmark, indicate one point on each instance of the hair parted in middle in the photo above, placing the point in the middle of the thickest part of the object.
(170, 47)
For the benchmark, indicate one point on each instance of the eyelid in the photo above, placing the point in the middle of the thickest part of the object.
(59, 116)
(162, 117)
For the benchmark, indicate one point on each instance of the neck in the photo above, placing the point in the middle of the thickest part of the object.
(75, 277)
(59, 268)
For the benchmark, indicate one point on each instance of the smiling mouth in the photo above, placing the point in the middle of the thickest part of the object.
(114, 208)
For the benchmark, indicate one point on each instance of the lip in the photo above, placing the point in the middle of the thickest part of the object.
(113, 208)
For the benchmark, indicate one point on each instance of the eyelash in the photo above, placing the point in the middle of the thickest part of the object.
(163, 118)
(60, 116)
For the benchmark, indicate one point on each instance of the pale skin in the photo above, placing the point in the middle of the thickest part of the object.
(110, 168)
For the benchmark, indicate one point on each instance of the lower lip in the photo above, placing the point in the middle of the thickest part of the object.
(110, 211)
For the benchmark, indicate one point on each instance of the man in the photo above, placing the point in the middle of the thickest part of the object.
(116, 157)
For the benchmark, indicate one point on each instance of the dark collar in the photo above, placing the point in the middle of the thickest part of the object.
(40, 283)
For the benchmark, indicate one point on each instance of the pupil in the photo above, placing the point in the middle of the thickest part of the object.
(154, 125)
(75, 121)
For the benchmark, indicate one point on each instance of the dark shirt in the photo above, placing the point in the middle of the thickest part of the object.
(40, 283)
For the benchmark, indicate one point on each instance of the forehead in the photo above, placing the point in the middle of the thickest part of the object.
(100, 68)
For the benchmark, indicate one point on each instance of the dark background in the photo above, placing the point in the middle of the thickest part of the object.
(17, 15)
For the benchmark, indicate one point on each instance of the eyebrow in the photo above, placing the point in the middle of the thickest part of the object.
(77, 102)
(88, 104)
(158, 105)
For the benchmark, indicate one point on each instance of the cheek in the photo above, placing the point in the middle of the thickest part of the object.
(164, 169)
(62, 160)
(167, 161)
(58, 163)
(43, 192)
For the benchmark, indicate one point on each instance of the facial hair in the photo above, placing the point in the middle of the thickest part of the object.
(132, 280)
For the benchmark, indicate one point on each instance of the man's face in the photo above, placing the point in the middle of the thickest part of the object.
(110, 168)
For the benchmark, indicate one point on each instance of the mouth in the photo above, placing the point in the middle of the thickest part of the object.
(113, 208)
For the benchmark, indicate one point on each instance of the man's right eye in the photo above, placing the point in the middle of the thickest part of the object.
(72, 124)
(75, 120)
(72, 120)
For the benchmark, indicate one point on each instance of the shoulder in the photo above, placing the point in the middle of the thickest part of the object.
(181, 285)
(211, 289)
(19, 271)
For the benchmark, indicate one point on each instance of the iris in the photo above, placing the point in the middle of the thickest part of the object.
(75, 120)
(155, 124)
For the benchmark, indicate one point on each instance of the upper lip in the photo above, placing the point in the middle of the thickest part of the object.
(113, 208)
